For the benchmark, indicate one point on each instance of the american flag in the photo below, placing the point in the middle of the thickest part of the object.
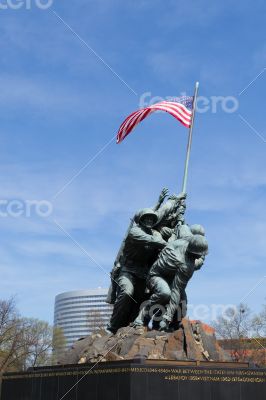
(180, 108)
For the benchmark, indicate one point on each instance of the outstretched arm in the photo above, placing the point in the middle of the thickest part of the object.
(160, 201)
(171, 206)
(138, 235)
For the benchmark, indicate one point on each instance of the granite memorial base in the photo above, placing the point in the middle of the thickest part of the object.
(138, 380)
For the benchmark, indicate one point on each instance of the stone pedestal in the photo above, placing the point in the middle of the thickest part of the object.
(138, 380)
(193, 341)
(136, 364)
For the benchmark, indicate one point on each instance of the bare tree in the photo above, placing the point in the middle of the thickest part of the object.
(238, 332)
(9, 333)
(35, 343)
(236, 324)
(259, 323)
(24, 342)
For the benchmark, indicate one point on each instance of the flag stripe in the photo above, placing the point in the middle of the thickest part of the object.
(134, 121)
(177, 116)
(131, 122)
(177, 109)
(123, 125)
(171, 103)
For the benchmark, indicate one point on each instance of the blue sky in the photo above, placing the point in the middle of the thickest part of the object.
(69, 76)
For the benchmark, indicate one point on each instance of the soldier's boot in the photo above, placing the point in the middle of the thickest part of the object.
(140, 320)
(110, 330)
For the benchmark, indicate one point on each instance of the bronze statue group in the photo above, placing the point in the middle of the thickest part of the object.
(156, 260)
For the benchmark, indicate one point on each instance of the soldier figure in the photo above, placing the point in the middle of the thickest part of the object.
(112, 293)
(170, 274)
(137, 254)
(141, 248)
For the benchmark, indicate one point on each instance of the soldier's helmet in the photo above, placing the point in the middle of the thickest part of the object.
(198, 245)
(145, 214)
(197, 230)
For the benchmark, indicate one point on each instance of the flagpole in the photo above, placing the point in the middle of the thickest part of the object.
(184, 187)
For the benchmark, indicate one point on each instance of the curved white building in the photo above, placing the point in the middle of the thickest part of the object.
(80, 312)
